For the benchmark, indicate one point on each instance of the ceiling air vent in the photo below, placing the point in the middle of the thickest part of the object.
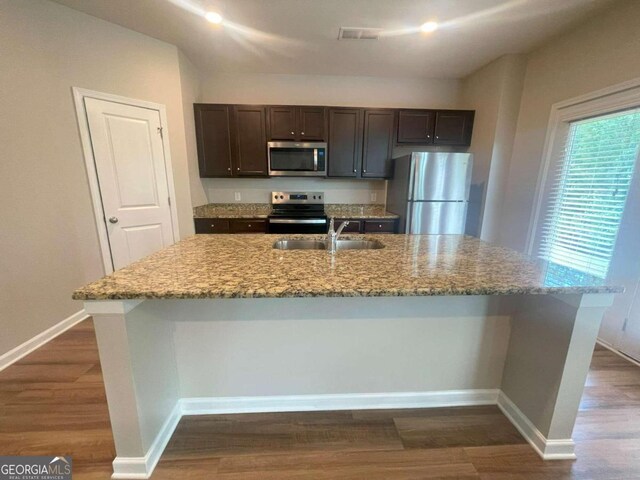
(350, 33)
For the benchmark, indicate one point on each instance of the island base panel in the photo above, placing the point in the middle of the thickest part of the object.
(166, 358)
(550, 350)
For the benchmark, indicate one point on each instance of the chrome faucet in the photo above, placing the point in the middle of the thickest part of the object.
(332, 235)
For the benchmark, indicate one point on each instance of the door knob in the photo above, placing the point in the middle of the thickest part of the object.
(113, 220)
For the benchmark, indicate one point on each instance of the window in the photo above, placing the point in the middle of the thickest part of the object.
(588, 190)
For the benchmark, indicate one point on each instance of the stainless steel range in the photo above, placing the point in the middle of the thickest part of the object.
(297, 212)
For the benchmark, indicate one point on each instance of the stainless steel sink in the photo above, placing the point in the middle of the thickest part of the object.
(359, 245)
(285, 244)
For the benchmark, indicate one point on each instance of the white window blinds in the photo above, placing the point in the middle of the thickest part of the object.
(588, 192)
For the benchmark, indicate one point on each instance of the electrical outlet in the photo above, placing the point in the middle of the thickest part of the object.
(374, 197)
(237, 196)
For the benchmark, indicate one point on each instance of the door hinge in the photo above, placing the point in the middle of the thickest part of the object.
(624, 325)
(160, 132)
(169, 200)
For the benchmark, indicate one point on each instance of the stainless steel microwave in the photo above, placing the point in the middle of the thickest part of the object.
(297, 159)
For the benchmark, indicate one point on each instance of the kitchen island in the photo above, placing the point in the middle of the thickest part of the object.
(224, 324)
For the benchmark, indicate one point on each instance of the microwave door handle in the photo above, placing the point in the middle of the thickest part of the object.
(315, 159)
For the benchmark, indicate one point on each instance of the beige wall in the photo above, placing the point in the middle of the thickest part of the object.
(320, 90)
(330, 90)
(190, 87)
(48, 241)
(600, 53)
(494, 92)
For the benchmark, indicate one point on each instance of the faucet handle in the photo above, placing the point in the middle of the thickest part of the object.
(331, 225)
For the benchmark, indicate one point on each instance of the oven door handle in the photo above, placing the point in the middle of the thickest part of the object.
(309, 221)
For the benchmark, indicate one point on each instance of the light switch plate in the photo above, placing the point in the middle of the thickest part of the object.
(373, 196)
(237, 196)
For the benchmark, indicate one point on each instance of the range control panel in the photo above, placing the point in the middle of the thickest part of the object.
(297, 198)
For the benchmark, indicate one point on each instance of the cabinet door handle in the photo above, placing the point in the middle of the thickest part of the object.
(113, 220)
(229, 169)
(437, 136)
(293, 133)
(355, 171)
(238, 168)
(301, 133)
(364, 171)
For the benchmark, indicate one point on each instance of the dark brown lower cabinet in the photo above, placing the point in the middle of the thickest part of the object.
(383, 225)
(232, 225)
(380, 226)
(247, 226)
(355, 226)
(211, 225)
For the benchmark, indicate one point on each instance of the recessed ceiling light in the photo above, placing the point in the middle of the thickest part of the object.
(429, 27)
(213, 17)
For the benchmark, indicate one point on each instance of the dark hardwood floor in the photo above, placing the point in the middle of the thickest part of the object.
(53, 402)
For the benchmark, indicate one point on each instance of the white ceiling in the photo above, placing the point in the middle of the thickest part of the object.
(300, 36)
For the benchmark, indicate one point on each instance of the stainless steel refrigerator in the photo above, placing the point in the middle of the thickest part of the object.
(430, 192)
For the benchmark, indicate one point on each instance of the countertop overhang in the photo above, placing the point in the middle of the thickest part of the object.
(247, 266)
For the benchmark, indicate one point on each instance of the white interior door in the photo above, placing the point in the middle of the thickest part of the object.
(130, 164)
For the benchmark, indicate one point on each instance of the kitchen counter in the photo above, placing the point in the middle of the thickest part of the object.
(232, 210)
(426, 321)
(246, 266)
(358, 211)
(261, 210)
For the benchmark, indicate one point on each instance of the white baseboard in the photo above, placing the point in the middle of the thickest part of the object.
(563, 449)
(355, 401)
(613, 349)
(142, 467)
(36, 342)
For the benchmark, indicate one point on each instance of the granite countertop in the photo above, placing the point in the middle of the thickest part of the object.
(357, 211)
(227, 266)
(232, 210)
(261, 210)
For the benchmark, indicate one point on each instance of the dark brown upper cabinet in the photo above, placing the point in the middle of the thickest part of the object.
(416, 126)
(297, 123)
(282, 123)
(250, 128)
(345, 142)
(231, 140)
(453, 127)
(312, 123)
(378, 143)
(213, 133)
